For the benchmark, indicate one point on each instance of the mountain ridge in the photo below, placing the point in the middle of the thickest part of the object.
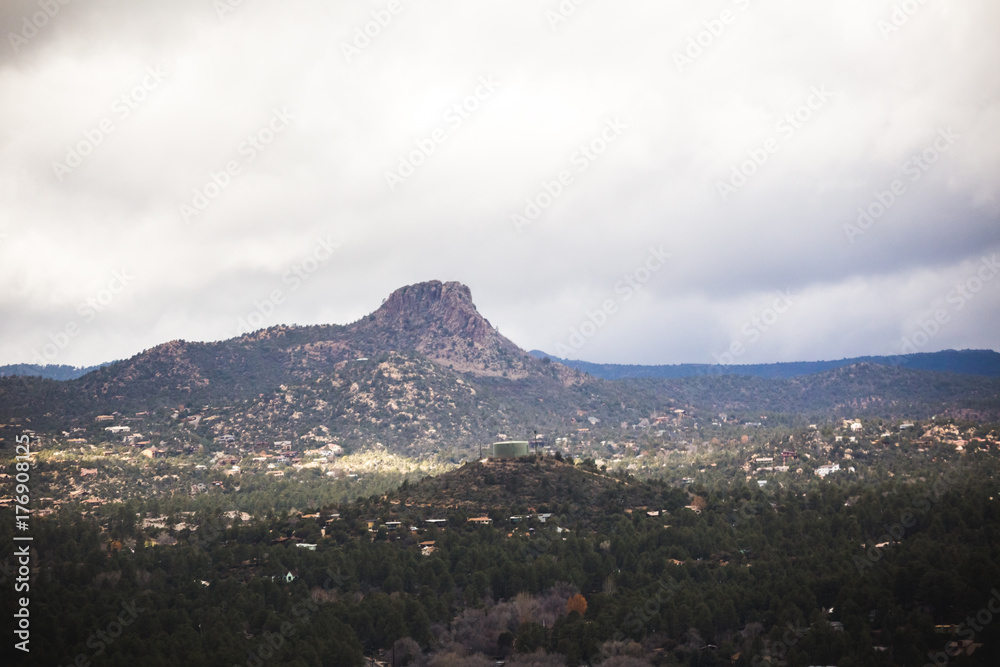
(425, 371)
(967, 362)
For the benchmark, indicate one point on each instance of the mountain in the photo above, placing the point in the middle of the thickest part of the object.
(50, 371)
(440, 321)
(434, 321)
(970, 362)
(425, 372)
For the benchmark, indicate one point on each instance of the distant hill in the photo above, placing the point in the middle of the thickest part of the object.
(968, 362)
(528, 484)
(426, 373)
(49, 371)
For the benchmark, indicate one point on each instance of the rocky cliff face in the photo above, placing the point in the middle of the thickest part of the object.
(441, 321)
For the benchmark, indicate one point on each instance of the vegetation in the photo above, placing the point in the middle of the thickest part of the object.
(812, 571)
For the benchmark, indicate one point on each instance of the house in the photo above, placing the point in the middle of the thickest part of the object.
(481, 520)
(115, 430)
(437, 522)
(310, 547)
(104, 418)
(393, 525)
(961, 647)
(856, 426)
(823, 471)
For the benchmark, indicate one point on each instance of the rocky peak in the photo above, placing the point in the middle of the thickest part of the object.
(440, 320)
(447, 307)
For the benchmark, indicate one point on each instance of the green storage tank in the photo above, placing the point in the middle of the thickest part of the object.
(510, 449)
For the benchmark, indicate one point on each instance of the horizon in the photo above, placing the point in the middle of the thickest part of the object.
(244, 329)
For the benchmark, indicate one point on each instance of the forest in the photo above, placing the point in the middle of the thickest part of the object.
(898, 569)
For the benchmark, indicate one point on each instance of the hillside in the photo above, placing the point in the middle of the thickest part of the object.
(528, 484)
(426, 373)
(50, 371)
(968, 362)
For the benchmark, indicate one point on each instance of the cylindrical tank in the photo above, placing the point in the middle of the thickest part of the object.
(510, 449)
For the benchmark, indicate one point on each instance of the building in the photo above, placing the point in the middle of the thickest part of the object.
(823, 471)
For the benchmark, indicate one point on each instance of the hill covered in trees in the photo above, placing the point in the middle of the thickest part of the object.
(881, 570)
(969, 362)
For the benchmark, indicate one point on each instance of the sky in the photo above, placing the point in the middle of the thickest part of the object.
(640, 182)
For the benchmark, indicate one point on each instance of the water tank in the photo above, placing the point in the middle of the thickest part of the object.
(510, 449)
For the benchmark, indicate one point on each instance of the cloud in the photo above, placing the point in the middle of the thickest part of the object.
(362, 88)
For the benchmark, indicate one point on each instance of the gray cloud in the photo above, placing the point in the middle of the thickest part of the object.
(204, 127)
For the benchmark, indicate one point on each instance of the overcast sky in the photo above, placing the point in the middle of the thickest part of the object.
(630, 182)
